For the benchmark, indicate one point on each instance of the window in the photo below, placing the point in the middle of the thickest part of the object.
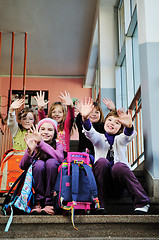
(29, 98)
(121, 24)
(136, 62)
(96, 86)
(124, 85)
(132, 5)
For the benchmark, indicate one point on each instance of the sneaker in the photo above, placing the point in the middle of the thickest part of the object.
(100, 211)
(142, 210)
(48, 210)
(36, 209)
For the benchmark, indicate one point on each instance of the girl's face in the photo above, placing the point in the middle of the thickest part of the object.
(47, 131)
(112, 125)
(27, 121)
(94, 116)
(57, 114)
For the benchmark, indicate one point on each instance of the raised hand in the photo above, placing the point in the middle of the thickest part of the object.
(30, 142)
(40, 100)
(85, 107)
(66, 99)
(35, 134)
(125, 118)
(109, 103)
(16, 104)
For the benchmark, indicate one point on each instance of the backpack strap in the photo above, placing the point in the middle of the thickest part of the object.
(93, 185)
(75, 181)
(18, 181)
(91, 180)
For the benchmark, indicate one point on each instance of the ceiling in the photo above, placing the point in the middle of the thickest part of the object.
(59, 36)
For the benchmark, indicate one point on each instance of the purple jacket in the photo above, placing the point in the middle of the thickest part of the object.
(46, 148)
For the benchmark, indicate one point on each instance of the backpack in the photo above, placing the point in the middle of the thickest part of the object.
(22, 199)
(9, 169)
(75, 186)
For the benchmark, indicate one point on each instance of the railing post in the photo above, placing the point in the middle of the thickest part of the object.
(25, 60)
(0, 44)
(11, 71)
(137, 126)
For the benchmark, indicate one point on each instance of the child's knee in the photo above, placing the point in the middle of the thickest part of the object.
(52, 164)
(120, 169)
(39, 164)
(102, 162)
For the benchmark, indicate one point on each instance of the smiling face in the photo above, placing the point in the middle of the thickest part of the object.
(57, 113)
(47, 131)
(112, 125)
(94, 116)
(27, 120)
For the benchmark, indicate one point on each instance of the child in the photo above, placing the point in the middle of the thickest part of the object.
(19, 127)
(111, 167)
(46, 155)
(58, 113)
(96, 117)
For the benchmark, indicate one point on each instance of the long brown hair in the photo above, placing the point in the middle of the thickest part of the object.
(53, 106)
(98, 107)
(115, 114)
(23, 113)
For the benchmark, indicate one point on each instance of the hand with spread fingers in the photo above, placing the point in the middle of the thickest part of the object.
(109, 103)
(35, 133)
(16, 104)
(66, 99)
(40, 100)
(85, 107)
(30, 142)
(125, 118)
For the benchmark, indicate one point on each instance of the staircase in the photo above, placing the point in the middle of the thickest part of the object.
(89, 226)
(120, 223)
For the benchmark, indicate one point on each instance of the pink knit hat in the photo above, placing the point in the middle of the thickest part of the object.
(49, 120)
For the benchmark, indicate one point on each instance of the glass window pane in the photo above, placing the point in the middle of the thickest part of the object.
(124, 85)
(121, 26)
(136, 63)
(132, 5)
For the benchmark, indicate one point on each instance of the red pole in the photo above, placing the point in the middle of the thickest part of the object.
(11, 71)
(0, 44)
(25, 59)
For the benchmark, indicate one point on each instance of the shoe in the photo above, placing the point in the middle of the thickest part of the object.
(100, 211)
(48, 210)
(36, 209)
(142, 210)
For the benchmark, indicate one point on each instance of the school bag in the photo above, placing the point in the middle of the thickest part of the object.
(75, 186)
(9, 169)
(22, 199)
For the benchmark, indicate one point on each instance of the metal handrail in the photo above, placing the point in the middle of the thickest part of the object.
(5, 140)
(135, 150)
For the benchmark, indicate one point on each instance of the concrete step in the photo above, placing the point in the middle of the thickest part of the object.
(94, 238)
(93, 226)
(121, 206)
(119, 224)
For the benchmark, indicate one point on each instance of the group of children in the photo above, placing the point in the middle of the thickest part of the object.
(47, 143)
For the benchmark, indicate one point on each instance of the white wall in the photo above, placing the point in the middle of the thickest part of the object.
(107, 46)
(148, 20)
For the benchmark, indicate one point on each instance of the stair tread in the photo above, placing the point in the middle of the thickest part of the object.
(29, 219)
